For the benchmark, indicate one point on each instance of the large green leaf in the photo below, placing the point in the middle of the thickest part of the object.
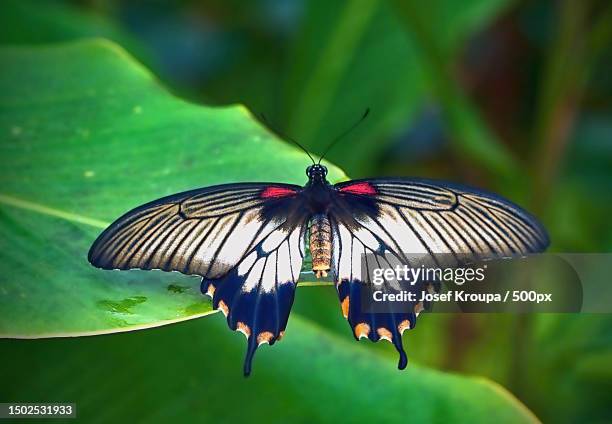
(192, 373)
(87, 133)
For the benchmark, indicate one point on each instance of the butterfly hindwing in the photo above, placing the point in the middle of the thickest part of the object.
(245, 240)
(349, 264)
(417, 222)
(256, 295)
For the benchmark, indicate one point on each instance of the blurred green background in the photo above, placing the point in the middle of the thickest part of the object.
(512, 96)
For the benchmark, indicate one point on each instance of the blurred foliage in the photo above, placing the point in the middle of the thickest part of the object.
(510, 96)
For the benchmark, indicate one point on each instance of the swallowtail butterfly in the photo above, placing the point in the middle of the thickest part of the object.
(248, 241)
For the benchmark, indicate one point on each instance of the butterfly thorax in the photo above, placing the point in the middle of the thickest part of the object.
(320, 244)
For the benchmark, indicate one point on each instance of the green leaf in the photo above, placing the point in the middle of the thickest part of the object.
(86, 133)
(192, 372)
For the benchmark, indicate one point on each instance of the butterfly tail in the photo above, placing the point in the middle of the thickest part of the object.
(375, 325)
(269, 321)
(250, 353)
(259, 314)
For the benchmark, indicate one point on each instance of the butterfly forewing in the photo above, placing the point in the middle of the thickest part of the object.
(204, 232)
(417, 215)
(417, 222)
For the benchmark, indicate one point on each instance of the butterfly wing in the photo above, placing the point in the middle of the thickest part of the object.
(442, 224)
(256, 296)
(245, 240)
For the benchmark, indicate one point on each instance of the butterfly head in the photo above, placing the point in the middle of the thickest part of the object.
(316, 172)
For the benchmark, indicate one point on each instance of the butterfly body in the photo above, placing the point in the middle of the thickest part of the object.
(320, 245)
(247, 242)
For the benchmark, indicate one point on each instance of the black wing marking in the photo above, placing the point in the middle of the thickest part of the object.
(256, 296)
(204, 232)
(414, 222)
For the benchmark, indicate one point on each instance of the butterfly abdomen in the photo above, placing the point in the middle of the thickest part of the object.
(320, 244)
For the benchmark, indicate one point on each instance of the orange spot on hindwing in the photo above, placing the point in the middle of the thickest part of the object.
(264, 337)
(362, 330)
(384, 334)
(345, 307)
(243, 328)
(404, 325)
(223, 307)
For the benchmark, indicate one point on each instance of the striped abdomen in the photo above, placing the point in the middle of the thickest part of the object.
(320, 245)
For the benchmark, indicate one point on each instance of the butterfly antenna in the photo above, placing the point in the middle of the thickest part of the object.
(284, 136)
(345, 133)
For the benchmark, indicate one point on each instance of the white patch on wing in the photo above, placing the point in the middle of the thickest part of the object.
(269, 229)
(236, 243)
(344, 266)
(246, 263)
(366, 237)
(282, 265)
(284, 273)
(397, 235)
(375, 228)
(210, 245)
(335, 252)
(283, 261)
(391, 261)
(356, 260)
(294, 252)
(273, 240)
(407, 241)
(254, 277)
(268, 279)
(431, 238)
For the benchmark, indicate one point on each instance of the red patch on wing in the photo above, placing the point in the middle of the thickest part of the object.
(277, 192)
(365, 189)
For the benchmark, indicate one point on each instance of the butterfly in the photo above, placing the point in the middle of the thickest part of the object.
(247, 241)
